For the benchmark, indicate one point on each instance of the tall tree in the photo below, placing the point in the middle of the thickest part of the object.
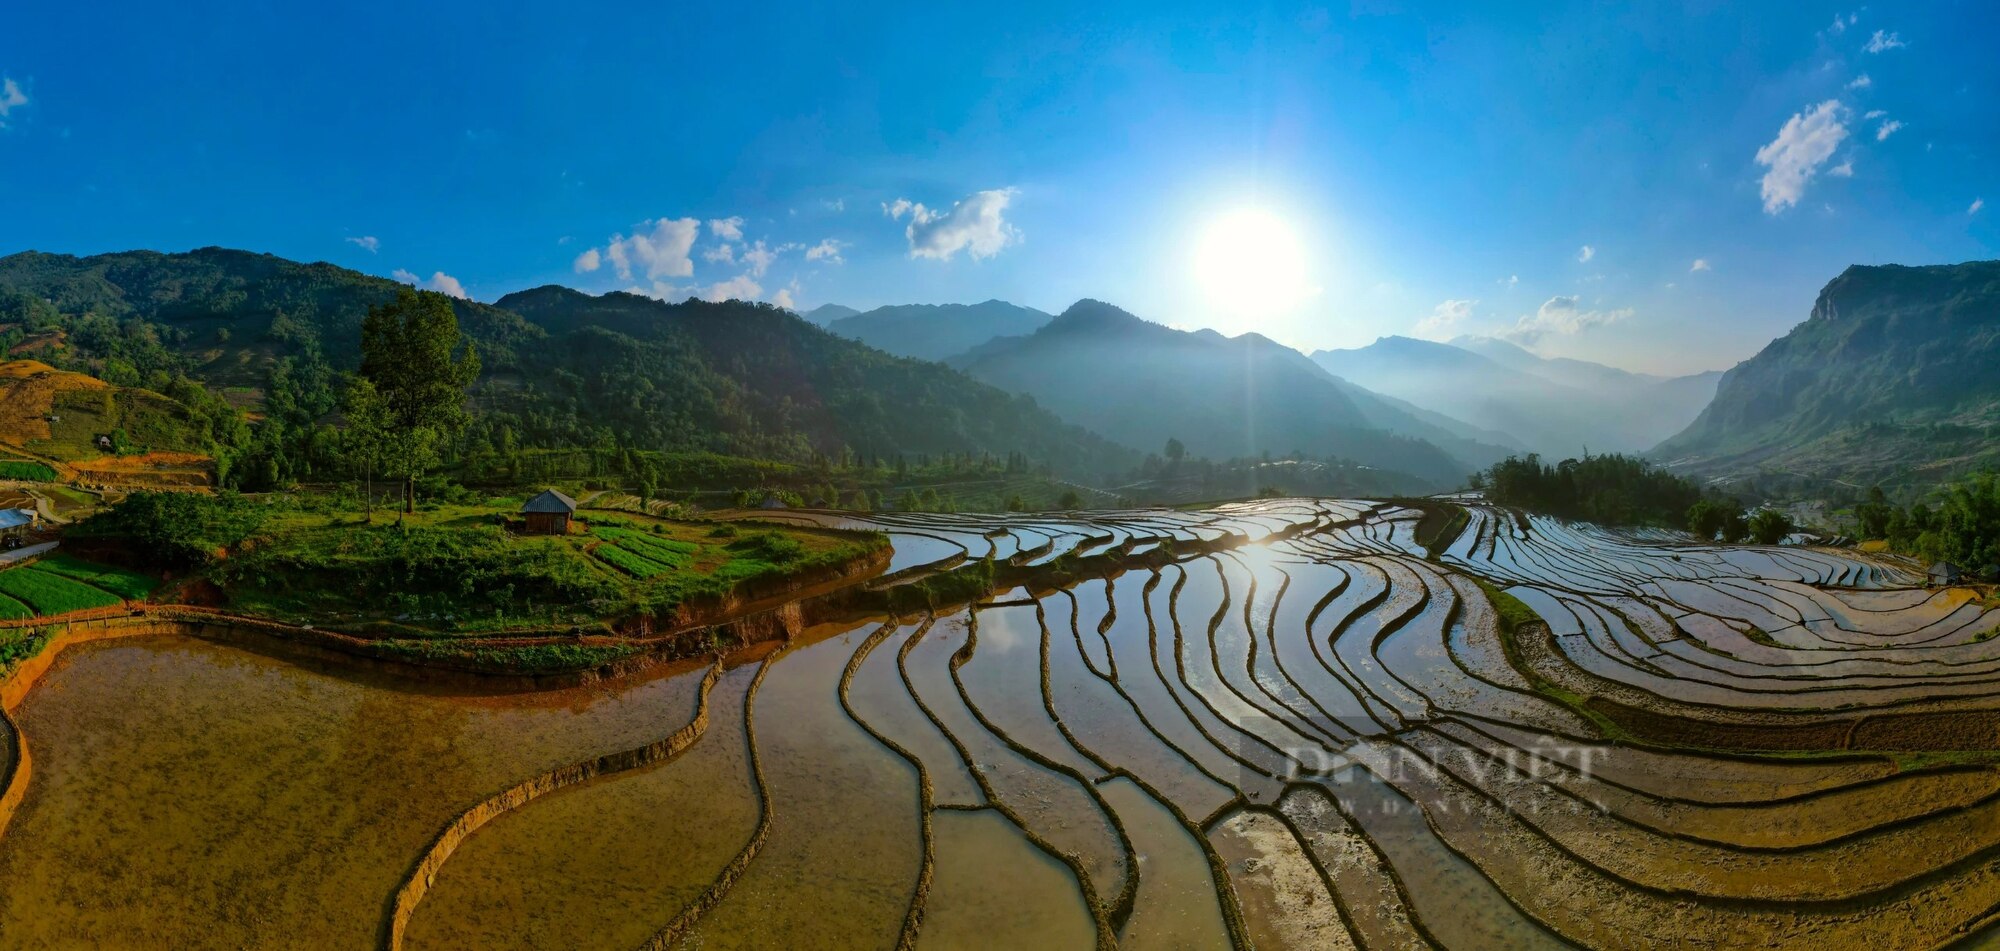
(409, 353)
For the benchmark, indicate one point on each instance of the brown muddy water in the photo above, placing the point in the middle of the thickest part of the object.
(1318, 738)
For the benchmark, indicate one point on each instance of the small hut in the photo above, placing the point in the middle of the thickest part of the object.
(15, 524)
(549, 513)
(1944, 573)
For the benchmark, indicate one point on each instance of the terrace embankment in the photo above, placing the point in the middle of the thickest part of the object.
(1287, 723)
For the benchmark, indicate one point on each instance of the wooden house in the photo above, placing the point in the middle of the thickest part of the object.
(549, 513)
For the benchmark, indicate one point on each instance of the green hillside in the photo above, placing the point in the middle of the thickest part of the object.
(1890, 380)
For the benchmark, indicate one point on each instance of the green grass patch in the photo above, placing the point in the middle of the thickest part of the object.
(451, 568)
(12, 610)
(50, 593)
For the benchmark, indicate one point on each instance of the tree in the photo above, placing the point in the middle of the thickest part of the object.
(1070, 501)
(1175, 452)
(409, 352)
(1874, 514)
(1769, 527)
(1710, 519)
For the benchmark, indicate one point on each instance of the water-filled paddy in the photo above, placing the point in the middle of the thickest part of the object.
(1320, 739)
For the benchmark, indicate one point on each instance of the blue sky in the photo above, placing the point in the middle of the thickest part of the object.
(1433, 171)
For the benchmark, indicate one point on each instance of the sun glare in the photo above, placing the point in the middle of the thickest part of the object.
(1250, 263)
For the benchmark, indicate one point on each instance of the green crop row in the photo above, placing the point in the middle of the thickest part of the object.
(118, 581)
(26, 471)
(50, 593)
(635, 565)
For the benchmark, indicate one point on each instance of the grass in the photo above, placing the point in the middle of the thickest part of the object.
(454, 570)
(50, 593)
(13, 610)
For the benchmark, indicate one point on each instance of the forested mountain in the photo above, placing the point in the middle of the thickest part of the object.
(1890, 379)
(938, 331)
(1557, 407)
(1142, 383)
(612, 371)
(225, 316)
(753, 379)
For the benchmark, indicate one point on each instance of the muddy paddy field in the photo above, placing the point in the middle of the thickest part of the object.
(1280, 724)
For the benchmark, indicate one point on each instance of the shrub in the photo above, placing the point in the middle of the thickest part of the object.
(26, 471)
(178, 528)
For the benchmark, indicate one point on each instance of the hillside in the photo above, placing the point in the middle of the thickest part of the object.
(1142, 383)
(938, 331)
(86, 429)
(1889, 379)
(225, 316)
(1556, 407)
(617, 370)
(751, 379)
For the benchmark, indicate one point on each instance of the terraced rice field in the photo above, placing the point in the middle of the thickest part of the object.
(1287, 727)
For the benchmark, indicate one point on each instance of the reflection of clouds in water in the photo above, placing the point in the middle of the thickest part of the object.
(1005, 630)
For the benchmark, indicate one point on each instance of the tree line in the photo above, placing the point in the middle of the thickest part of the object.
(1622, 490)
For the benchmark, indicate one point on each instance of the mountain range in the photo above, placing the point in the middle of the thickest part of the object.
(937, 331)
(1887, 381)
(1557, 407)
(1222, 397)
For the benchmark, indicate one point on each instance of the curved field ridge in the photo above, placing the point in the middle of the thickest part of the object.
(1296, 723)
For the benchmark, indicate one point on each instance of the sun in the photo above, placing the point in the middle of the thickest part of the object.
(1250, 263)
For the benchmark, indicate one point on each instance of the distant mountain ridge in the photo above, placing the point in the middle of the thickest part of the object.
(1890, 379)
(1557, 407)
(1141, 383)
(938, 331)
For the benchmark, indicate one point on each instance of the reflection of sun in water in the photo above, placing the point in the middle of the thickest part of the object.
(1251, 264)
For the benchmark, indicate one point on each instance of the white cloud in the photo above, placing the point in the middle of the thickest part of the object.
(1882, 42)
(1861, 82)
(728, 229)
(1874, 113)
(1841, 23)
(1510, 281)
(661, 290)
(11, 98)
(720, 254)
(1977, 203)
(1444, 317)
(439, 281)
(1700, 264)
(758, 258)
(1561, 316)
(588, 261)
(836, 206)
(659, 246)
(740, 287)
(976, 225)
(827, 250)
(787, 296)
(1585, 253)
(1887, 129)
(1802, 146)
(366, 242)
(1843, 170)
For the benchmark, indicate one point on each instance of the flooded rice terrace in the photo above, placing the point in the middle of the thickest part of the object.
(1283, 724)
